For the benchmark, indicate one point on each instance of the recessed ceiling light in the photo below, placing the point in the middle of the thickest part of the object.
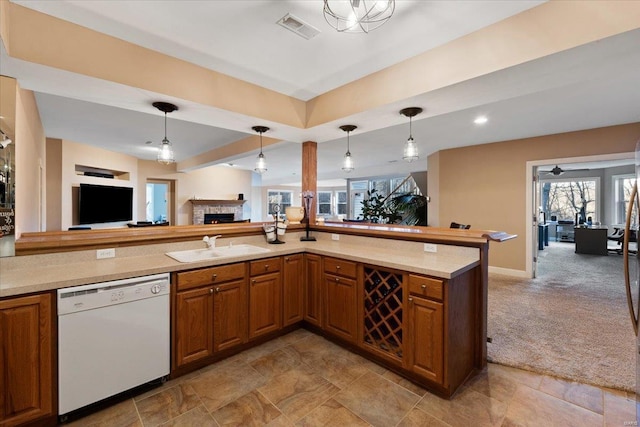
(480, 120)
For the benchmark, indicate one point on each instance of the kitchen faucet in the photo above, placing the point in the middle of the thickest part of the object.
(211, 241)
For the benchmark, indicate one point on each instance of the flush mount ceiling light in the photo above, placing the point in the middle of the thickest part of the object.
(261, 162)
(347, 162)
(410, 148)
(165, 155)
(358, 16)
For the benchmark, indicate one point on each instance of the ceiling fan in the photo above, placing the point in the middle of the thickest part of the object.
(557, 171)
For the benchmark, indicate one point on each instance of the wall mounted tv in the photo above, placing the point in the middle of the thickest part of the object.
(102, 203)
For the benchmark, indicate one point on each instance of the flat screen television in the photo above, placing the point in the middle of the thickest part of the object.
(102, 203)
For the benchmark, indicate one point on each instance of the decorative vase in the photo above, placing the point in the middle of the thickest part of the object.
(294, 214)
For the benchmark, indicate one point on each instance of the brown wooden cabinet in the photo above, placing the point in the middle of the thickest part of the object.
(229, 315)
(340, 298)
(426, 338)
(442, 321)
(313, 290)
(194, 325)
(265, 293)
(292, 289)
(210, 312)
(26, 359)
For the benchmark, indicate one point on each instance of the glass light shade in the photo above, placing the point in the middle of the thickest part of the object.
(165, 155)
(359, 16)
(410, 150)
(261, 164)
(347, 162)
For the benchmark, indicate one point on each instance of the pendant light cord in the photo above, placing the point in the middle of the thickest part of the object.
(410, 128)
(165, 126)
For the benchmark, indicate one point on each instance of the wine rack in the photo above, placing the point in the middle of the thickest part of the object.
(383, 311)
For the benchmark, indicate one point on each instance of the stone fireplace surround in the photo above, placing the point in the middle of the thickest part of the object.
(210, 206)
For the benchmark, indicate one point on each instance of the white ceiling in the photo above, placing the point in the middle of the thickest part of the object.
(591, 86)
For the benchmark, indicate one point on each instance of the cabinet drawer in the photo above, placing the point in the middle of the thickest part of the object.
(210, 275)
(426, 287)
(340, 266)
(263, 266)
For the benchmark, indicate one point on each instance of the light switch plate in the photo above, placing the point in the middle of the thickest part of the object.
(335, 237)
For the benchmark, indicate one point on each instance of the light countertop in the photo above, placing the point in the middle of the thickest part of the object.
(37, 273)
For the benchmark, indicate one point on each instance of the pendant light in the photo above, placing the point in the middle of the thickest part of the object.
(261, 162)
(347, 162)
(165, 155)
(410, 152)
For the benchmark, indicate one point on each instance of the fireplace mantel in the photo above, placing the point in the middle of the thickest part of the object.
(213, 202)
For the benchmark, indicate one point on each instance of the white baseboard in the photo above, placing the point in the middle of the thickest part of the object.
(509, 272)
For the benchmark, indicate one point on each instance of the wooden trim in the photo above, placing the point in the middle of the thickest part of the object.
(66, 241)
(310, 174)
(217, 202)
(33, 243)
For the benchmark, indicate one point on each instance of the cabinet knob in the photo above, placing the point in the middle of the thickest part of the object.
(337, 267)
(217, 290)
(423, 286)
(287, 259)
(337, 279)
(210, 291)
(253, 281)
(214, 277)
(266, 266)
(411, 300)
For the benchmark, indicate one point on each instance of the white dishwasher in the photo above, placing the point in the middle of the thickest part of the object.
(112, 337)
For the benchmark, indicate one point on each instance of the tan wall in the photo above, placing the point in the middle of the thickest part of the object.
(216, 182)
(74, 154)
(30, 164)
(485, 185)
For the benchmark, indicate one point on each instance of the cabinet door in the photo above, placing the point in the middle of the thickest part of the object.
(194, 325)
(426, 338)
(26, 383)
(292, 290)
(264, 304)
(340, 298)
(229, 315)
(313, 290)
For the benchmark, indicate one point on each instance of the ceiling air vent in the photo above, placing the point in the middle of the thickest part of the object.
(298, 26)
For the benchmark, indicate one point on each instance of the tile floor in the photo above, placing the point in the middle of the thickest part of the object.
(301, 379)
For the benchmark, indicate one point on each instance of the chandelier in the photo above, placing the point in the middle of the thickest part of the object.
(358, 16)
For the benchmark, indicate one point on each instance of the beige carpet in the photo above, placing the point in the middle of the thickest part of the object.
(571, 322)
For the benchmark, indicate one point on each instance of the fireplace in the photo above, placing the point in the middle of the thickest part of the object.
(211, 211)
(218, 218)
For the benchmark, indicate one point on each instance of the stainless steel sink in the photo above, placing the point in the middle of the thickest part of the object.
(195, 255)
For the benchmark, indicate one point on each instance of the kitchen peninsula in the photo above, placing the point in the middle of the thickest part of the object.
(371, 288)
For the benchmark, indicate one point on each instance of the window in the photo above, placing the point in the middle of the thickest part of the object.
(324, 202)
(622, 187)
(275, 197)
(342, 202)
(567, 199)
(382, 185)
